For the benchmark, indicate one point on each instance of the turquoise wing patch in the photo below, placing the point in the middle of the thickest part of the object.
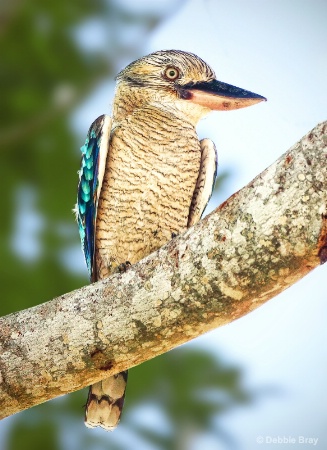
(87, 194)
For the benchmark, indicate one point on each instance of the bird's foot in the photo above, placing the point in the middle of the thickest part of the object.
(122, 268)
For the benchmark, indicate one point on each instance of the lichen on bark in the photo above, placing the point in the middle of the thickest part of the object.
(256, 244)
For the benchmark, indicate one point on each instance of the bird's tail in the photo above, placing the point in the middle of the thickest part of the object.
(105, 402)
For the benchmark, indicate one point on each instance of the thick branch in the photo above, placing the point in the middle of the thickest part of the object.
(260, 241)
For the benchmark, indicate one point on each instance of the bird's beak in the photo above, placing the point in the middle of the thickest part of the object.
(219, 96)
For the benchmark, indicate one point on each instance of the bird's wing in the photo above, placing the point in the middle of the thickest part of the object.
(205, 182)
(94, 155)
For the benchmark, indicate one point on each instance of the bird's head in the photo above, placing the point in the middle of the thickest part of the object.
(173, 79)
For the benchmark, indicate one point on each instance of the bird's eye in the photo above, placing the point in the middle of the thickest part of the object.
(171, 73)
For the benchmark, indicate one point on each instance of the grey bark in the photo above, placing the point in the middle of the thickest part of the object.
(256, 244)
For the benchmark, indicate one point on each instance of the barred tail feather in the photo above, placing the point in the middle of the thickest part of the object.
(105, 402)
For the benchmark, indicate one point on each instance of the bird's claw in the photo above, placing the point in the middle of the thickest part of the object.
(122, 268)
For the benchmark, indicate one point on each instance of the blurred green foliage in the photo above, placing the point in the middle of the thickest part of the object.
(45, 74)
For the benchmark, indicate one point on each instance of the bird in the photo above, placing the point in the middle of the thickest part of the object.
(146, 177)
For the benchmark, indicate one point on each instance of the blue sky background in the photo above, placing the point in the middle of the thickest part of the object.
(277, 49)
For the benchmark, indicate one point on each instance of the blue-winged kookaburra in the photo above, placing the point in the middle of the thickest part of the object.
(145, 176)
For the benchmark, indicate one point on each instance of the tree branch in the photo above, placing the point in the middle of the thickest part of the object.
(256, 244)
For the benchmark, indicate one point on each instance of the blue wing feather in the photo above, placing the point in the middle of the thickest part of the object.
(88, 189)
